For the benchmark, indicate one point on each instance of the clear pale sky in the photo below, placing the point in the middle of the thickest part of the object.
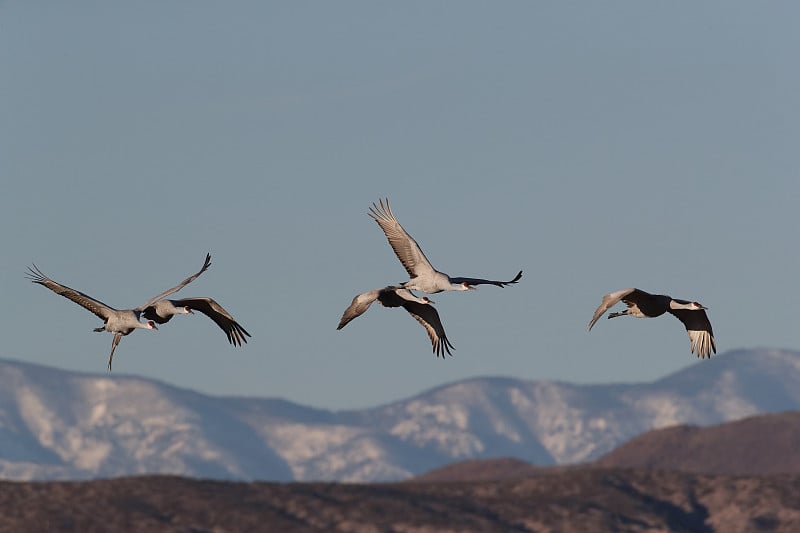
(595, 146)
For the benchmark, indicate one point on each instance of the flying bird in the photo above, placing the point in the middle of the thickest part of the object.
(162, 312)
(120, 322)
(417, 307)
(644, 305)
(424, 277)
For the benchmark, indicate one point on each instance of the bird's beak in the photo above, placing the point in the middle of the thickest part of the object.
(155, 327)
(431, 301)
(472, 287)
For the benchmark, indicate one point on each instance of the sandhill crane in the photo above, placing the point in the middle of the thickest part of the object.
(644, 305)
(417, 307)
(163, 310)
(120, 322)
(424, 277)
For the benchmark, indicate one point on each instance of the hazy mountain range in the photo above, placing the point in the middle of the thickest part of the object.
(62, 425)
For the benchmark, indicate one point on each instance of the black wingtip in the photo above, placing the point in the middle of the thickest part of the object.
(35, 275)
(444, 345)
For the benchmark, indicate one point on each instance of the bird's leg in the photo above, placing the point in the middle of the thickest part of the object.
(101, 328)
(615, 315)
(114, 342)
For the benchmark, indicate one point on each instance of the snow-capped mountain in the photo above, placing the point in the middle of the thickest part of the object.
(62, 425)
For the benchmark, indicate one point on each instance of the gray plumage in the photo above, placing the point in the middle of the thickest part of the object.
(162, 312)
(424, 277)
(120, 322)
(645, 305)
(418, 307)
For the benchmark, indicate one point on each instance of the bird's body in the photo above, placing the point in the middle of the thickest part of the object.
(433, 283)
(418, 307)
(645, 305)
(120, 322)
(123, 322)
(163, 310)
(424, 277)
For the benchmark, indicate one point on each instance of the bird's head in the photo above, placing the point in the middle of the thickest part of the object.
(694, 306)
(187, 310)
(466, 287)
(427, 300)
(151, 325)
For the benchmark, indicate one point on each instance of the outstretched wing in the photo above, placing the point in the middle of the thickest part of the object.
(357, 307)
(610, 300)
(208, 306)
(177, 287)
(84, 300)
(699, 328)
(404, 246)
(427, 315)
(478, 281)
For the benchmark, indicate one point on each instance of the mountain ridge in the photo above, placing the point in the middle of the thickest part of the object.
(57, 424)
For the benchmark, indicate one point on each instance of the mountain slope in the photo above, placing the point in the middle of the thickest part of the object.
(764, 444)
(547, 422)
(62, 425)
(754, 446)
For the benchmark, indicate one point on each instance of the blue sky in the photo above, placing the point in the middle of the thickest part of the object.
(594, 146)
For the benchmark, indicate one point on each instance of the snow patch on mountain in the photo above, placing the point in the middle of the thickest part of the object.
(62, 425)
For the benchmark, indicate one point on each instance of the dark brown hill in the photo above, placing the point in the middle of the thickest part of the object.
(577, 500)
(764, 444)
(481, 470)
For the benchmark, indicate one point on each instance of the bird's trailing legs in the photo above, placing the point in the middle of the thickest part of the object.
(114, 342)
(615, 315)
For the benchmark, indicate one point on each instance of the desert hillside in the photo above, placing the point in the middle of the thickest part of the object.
(578, 500)
(764, 444)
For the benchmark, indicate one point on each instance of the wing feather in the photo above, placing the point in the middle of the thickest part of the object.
(208, 306)
(177, 287)
(609, 301)
(84, 300)
(404, 246)
(358, 307)
(479, 281)
(427, 315)
(701, 335)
